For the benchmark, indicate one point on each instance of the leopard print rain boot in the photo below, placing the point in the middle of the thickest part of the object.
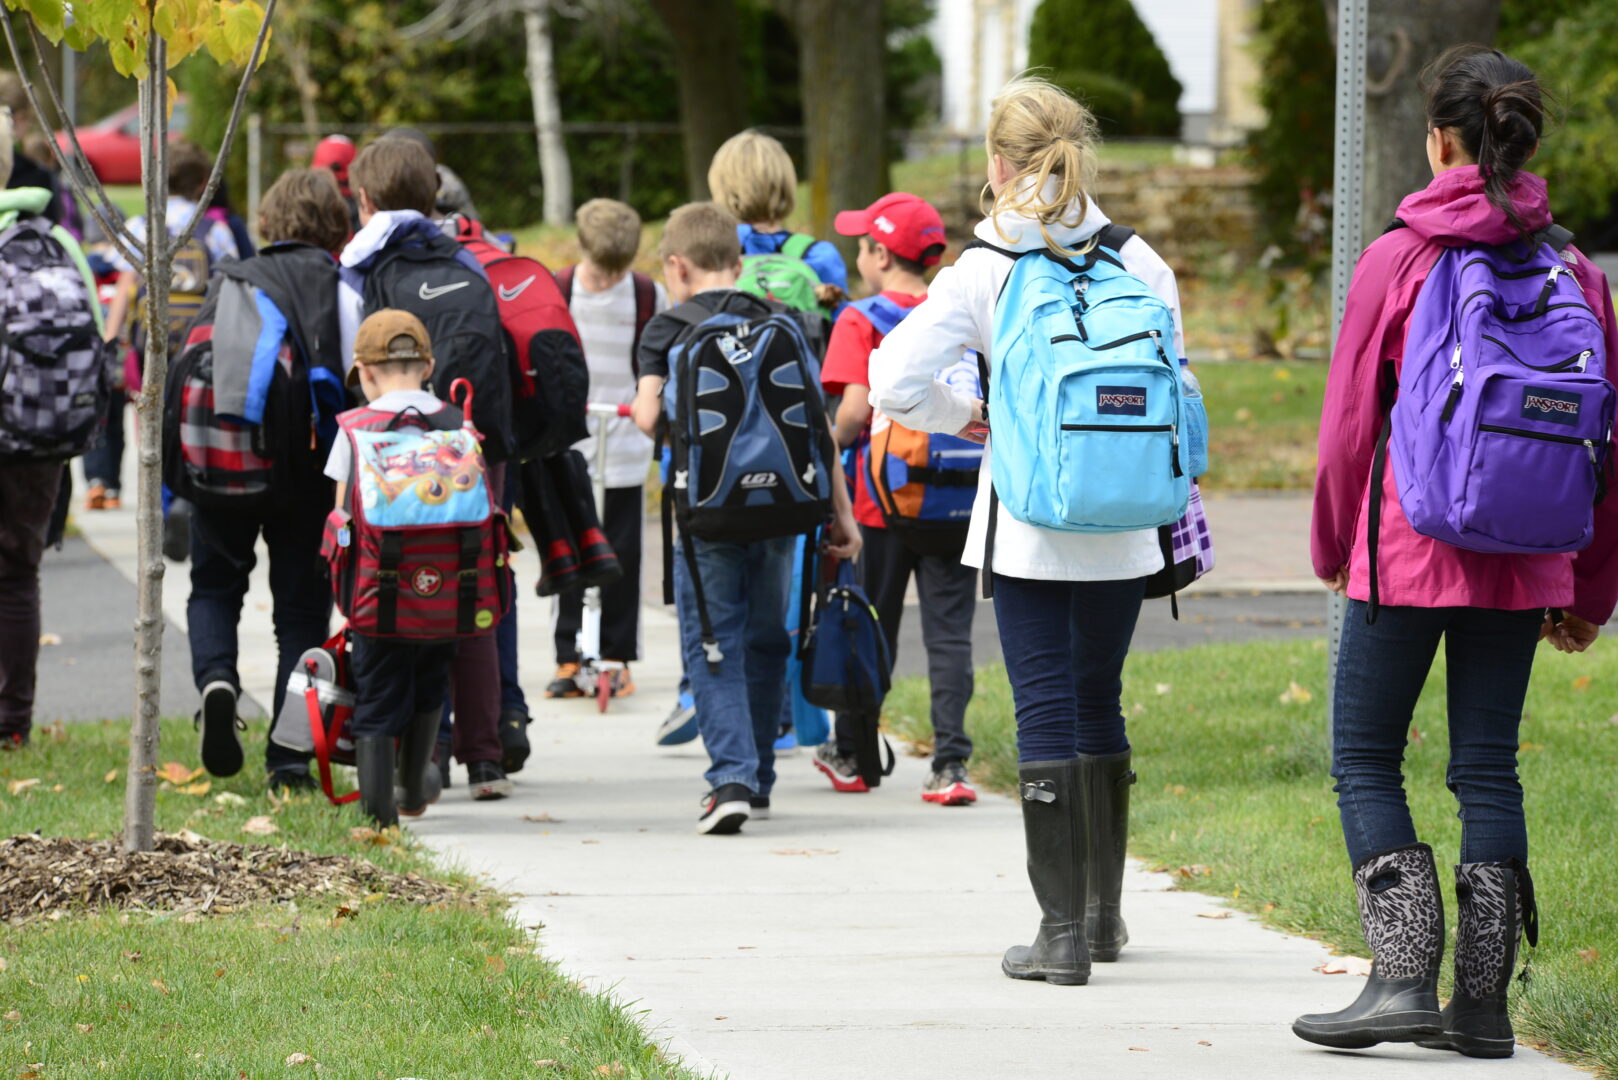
(1497, 909)
(1402, 913)
(1054, 827)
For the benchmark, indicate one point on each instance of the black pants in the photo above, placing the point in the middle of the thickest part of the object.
(623, 522)
(27, 494)
(394, 680)
(948, 595)
(222, 556)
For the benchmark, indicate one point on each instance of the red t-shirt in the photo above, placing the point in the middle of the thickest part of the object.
(848, 361)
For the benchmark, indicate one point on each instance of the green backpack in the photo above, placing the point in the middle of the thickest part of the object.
(783, 277)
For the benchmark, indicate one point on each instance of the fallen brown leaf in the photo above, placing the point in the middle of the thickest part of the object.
(546, 1063)
(12, 1015)
(1224, 913)
(260, 826)
(1204, 1042)
(17, 787)
(177, 774)
(1583, 682)
(161, 987)
(112, 774)
(299, 1059)
(1589, 956)
(1194, 870)
(199, 789)
(48, 639)
(132, 957)
(1295, 694)
(1345, 965)
(1141, 1048)
(615, 1069)
(804, 851)
(85, 1028)
(542, 819)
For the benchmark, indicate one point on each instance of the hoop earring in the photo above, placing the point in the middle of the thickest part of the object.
(986, 208)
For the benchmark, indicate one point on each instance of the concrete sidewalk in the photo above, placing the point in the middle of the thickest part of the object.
(849, 936)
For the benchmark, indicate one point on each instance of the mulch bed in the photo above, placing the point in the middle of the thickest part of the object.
(42, 877)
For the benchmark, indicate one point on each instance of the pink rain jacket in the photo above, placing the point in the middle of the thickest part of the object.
(1416, 571)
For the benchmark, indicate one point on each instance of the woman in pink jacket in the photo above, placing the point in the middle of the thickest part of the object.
(1484, 119)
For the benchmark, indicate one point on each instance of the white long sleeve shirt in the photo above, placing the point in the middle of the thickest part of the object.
(958, 315)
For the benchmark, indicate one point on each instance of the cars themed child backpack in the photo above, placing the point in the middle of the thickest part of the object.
(420, 550)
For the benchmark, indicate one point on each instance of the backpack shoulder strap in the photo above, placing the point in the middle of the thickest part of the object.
(564, 281)
(797, 245)
(645, 307)
(986, 246)
(1556, 236)
(1114, 236)
(881, 312)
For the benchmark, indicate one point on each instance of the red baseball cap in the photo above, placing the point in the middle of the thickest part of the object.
(335, 152)
(905, 224)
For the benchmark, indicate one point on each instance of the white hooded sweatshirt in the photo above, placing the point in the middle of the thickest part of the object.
(958, 315)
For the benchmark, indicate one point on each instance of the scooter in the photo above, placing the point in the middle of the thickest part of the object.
(595, 677)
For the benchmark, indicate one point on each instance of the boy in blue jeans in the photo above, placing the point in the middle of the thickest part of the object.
(746, 584)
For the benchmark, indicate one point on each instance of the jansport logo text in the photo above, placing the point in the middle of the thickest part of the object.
(1551, 406)
(1121, 400)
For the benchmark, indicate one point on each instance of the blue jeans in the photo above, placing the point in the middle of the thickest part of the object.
(1064, 644)
(1380, 673)
(511, 695)
(104, 462)
(221, 558)
(738, 706)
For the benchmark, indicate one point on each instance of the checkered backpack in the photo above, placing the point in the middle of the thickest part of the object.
(53, 363)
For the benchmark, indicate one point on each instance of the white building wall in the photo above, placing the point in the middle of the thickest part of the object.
(984, 43)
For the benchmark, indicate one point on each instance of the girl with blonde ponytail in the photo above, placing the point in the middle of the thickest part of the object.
(1066, 602)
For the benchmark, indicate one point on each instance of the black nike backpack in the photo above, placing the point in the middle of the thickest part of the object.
(457, 306)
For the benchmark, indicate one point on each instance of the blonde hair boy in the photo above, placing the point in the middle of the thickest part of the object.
(609, 235)
(752, 176)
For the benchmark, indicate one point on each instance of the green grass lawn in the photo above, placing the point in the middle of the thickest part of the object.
(1235, 799)
(379, 988)
(1263, 423)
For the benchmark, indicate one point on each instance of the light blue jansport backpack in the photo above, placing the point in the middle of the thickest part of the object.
(1086, 411)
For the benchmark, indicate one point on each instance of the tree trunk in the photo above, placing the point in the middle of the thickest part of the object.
(713, 99)
(556, 173)
(841, 47)
(1405, 37)
(140, 790)
(297, 54)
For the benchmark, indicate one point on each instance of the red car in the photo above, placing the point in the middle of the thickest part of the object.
(113, 144)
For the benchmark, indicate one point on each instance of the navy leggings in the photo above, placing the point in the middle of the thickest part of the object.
(1064, 644)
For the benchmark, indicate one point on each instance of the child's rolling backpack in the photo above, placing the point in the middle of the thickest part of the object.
(457, 306)
(420, 552)
(318, 706)
(751, 451)
(1086, 413)
(1504, 415)
(847, 667)
(550, 383)
(925, 484)
(782, 275)
(54, 383)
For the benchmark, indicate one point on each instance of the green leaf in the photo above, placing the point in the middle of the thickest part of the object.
(125, 57)
(50, 16)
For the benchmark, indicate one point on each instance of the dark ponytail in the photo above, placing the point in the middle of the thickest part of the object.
(1496, 106)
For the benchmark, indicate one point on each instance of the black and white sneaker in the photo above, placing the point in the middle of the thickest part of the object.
(725, 810)
(219, 724)
(759, 807)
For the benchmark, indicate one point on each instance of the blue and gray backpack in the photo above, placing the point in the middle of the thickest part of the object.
(750, 450)
(1087, 417)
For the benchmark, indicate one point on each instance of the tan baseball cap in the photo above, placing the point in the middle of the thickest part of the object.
(387, 335)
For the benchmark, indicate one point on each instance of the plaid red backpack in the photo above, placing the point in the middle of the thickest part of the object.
(420, 551)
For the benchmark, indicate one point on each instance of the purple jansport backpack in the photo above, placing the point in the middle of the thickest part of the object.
(1500, 431)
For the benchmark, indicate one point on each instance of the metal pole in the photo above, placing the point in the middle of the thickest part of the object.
(255, 160)
(70, 85)
(1348, 218)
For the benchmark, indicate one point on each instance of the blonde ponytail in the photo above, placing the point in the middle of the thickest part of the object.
(1043, 133)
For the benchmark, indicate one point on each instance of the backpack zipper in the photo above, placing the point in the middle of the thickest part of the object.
(1570, 440)
(1174, 432)
(1455, 387)
(1581, 359)
(1550, 287)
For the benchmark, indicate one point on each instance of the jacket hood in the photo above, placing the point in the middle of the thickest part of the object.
(1454, 211)
(384, 228)
(1018, 232)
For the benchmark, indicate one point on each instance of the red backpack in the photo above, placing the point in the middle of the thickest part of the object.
(421, 549)
(550, 382)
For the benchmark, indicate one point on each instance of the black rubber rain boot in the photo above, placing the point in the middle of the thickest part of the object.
(420, 784)
(1497, 907)
(1054, 827)
(1402, 914)
(373, 760)
(1104, 784)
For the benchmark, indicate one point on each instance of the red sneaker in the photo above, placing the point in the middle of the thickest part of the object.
(841, 771)
(949, 786)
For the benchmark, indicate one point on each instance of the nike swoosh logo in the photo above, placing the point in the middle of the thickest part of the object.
(508, 295)
(429, 292)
